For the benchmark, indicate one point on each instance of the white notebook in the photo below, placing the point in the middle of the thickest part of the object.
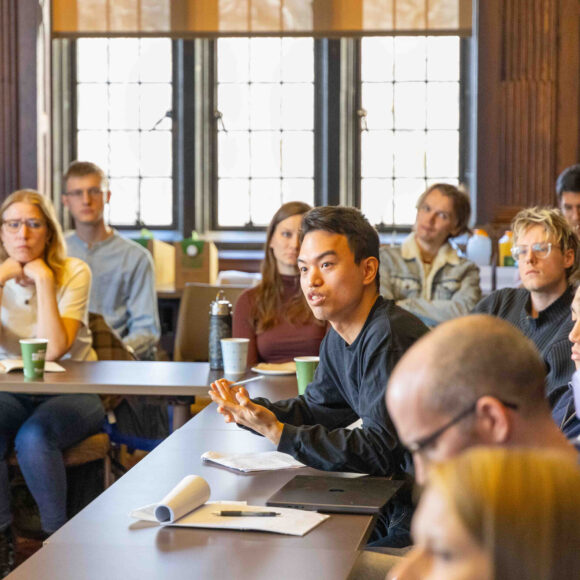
(248, 462)
(15, 364)
(187, 505)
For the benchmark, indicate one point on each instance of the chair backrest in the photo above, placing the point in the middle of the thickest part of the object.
(106, 342)
(192, 336)
(108, 345)
(135, 417)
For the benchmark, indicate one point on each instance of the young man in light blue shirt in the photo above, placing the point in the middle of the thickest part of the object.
(123, 288)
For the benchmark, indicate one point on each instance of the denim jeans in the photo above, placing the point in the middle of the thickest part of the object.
(41, 427)
(393, 525)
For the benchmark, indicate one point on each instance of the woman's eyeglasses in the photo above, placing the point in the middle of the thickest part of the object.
(13, 226)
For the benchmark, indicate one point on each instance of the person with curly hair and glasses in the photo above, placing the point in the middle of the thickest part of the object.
(43, 294)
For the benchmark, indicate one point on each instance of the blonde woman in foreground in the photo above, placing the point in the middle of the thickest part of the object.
(497, 514)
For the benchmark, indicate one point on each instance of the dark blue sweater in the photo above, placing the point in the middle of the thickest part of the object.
(549, 332)
(350, 383)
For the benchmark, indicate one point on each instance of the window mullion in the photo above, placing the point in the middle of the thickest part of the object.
(349, 137)
(205, 135)
(184, 136)
(63, 117)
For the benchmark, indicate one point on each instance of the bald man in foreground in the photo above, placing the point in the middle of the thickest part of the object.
(471, 381)
(475, 380)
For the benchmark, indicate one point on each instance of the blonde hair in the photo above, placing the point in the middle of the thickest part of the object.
(83, 169)
(555, 225)
(521, 506)
(55, 250)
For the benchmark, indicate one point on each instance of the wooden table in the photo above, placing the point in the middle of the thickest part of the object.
(122, 378)
(102, 541)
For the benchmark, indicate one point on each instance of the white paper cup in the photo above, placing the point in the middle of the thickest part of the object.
(235, 355)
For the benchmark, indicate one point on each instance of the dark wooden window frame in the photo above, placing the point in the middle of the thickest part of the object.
(337, 98)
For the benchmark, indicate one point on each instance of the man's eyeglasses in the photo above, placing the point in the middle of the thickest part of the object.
(540, 250)
(425, 442)
(78, 193)
(13, 226)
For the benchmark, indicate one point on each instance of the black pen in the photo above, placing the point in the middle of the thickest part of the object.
(241, 514)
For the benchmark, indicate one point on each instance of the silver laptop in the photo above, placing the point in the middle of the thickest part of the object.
(344, 495)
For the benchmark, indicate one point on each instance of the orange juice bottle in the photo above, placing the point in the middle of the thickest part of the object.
(505, 249)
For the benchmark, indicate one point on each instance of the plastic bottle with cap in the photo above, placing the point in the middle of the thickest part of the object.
(479, 248)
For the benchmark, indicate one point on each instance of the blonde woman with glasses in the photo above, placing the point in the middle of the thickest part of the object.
(497, 514)
(43, 294)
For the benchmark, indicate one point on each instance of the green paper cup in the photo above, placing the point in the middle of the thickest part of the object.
(305, 367)
(33, 355)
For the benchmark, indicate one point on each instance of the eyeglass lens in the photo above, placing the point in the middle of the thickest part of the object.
(15, 225)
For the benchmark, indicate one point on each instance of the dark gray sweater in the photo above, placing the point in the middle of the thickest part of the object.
(549, 332)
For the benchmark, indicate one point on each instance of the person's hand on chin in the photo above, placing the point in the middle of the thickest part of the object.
(10, 269)
(35, 271)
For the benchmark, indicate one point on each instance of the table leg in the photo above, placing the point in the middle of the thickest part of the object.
(181, 415)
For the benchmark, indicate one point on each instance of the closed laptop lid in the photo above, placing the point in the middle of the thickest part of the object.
(356, 495)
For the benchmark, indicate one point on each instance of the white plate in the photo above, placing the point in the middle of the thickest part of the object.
(273, 371)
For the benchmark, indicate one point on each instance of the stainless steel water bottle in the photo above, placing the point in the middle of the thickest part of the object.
(220, 326)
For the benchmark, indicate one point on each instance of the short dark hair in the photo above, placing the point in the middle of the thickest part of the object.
(461, 204)
(84, 168)
(568, 180)
(362, 238)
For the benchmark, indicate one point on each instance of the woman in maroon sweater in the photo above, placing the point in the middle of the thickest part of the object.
(274, 315)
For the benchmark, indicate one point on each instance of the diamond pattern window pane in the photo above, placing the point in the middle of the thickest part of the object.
(265, 92)
(411, 95)
(124, 93)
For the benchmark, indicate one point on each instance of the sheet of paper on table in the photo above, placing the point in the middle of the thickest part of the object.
(187, 505)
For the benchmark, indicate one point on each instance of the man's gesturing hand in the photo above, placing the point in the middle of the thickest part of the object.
(235, 405)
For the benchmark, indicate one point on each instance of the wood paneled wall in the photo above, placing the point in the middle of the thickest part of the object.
(8, 96)
(18, 104)
(528, 99)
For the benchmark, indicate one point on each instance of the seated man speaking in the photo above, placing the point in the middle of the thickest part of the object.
(338, 265)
